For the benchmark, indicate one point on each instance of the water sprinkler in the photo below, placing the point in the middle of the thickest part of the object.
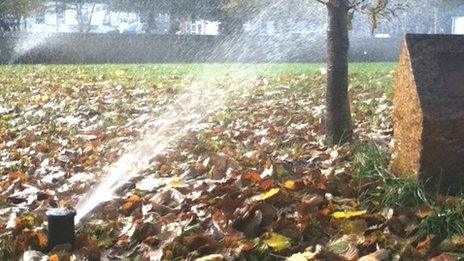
(60, 227)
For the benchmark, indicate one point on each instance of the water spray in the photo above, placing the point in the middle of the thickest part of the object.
(28, 42)
(60, 227)
(183, 114)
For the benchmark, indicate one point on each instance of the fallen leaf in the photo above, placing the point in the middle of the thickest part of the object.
(119, 73)
(277, 242)
(379, 255)
(18, 175)
(213, 257)
(266, 184)
(53, 258)
(130, 203)
(348, 214)
(42, 237)
(176, 182)
(305, 256)
(445, 257)
(252, 176)
(289, 184)
(266, 195)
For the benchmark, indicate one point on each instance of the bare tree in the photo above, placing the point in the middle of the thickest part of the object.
(84, 19)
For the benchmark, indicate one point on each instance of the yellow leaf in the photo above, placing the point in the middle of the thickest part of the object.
(25, 221)
(277, 242)
(266, 195)
(457, 240)
(45, 97)
(119, 73)
(289, 184)
(176, 182)
(302, 256)
(348, 214)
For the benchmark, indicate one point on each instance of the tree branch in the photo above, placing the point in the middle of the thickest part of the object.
(322, 2)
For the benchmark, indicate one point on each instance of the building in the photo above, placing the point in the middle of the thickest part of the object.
(458, 20)
(458, 25)
(200, 27)
(98, 18)
(93, 18)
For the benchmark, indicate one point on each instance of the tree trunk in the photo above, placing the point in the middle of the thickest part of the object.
(338, 124)
(231, 27)
(90, 18)
(151, 21)
(80, 17)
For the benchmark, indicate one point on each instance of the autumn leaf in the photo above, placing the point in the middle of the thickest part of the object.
(266, 195)
(176, 182)
(423, 212)
(348, 214)
(85, 122)
(342, 244)
(54, 258)
(457, 240)
(289, 184)
(266, 184)
(252, 176)
(213, 257)
(305, 256)
(277, 242)
(130, 203)
(25, 221)
(119, 73)
(18, 175)
(42, 237)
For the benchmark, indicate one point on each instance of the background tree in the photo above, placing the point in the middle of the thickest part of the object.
(84, 19)
(146, 9)
(235, 13)
(11, 12)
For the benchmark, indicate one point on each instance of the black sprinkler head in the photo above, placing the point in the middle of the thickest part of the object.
(60, 227)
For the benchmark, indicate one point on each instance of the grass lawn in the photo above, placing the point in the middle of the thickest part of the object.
(254, 182)
(166, 71)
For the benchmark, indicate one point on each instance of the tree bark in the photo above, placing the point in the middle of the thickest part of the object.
(89, 26)
(79, 16)
(338, 124)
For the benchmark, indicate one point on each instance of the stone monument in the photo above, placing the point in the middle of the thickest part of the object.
(429, 111)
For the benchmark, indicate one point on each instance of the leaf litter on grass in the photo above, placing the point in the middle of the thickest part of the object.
(255, 182)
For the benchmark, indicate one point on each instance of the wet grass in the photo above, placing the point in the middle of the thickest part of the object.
(164, 71)
(379, 189)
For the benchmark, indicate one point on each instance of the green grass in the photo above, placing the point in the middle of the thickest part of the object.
(444, 224)
(163, 71)
(378, 189)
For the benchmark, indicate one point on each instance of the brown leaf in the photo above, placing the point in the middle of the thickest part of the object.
(171, 198)
(444, 257)
(130, 203)
(213, 257)
(18, 175)
(42, 237)
(221, 222)
(266, 184)
(251, 176)
(379, 255)
(54, 258)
